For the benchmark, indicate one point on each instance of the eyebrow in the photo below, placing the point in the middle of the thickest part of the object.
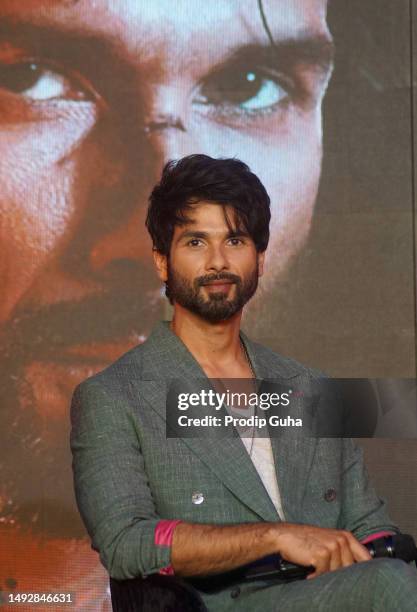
(57, 36)
(78, 48)
(307, 47)
(315, 49)
(201, 234)
(22, 25)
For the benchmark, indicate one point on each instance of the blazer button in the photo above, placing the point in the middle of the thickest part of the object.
(235, 593)
(197, 498)
(330, 495)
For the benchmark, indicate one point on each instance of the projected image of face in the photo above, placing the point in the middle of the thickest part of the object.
(94, 98)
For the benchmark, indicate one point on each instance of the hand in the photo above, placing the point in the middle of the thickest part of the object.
(325, 549)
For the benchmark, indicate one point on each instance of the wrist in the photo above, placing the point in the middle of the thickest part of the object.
(273, 537)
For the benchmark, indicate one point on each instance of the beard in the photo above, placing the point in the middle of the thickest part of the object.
(35, 468)
(217, 306)
(36, 482)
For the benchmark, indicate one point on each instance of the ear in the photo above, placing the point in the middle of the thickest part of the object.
(161, 264)
(261, 261)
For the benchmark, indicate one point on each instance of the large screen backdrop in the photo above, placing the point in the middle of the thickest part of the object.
(94, 98)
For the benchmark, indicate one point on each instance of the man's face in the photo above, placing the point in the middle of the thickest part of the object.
(213, 267)
(94, 98)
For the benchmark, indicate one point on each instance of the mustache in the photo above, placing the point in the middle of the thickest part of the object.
(43, 332)
(208, 278)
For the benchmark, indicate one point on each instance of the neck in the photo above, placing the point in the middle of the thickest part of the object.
(211, 343)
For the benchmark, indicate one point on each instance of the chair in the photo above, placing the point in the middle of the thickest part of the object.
(155, 593)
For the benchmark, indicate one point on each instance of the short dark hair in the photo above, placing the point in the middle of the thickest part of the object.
(228, 182)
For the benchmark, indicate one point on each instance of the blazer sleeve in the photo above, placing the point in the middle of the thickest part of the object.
(363, 512)
(110, 483)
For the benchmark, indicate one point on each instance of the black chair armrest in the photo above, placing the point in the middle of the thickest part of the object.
(155, 593)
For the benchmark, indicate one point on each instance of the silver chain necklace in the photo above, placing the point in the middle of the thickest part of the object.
(245, 352)
(255, 387)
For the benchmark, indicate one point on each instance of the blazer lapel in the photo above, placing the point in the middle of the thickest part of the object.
(293, 450)
(165, 359)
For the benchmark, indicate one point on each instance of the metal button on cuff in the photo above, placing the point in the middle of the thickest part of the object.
(197, 498)
(330, 495)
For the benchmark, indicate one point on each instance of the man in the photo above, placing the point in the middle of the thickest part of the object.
(204, 506)
(94, 98)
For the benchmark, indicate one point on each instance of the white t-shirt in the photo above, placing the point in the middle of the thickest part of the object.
(263, 460)
(260, 451)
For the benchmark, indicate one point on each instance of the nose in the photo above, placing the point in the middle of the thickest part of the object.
(216, 259)
(164, 122)
(161, 135)
(169, 124)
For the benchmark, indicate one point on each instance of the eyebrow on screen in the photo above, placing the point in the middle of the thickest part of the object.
(51, 34)
(82, 47)
(308, 46)
(314, 49)
(92, 54)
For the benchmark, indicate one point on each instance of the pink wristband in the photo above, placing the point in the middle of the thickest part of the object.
(164, 532)
(374, 536)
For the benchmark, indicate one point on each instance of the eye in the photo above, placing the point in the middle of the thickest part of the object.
(194, 242)
(235, 241)
(249, 90)
(41, 83)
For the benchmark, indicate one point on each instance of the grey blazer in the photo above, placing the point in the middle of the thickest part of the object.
(128, 475)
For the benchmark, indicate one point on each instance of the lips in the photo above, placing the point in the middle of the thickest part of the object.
(222, 286)
(97, 328)
(53, 381)
(222, 282)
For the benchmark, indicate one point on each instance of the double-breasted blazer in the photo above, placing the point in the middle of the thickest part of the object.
(128, 474)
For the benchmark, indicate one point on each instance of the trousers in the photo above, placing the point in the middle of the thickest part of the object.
(379, 585)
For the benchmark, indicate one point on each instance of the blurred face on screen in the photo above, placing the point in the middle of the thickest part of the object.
(94, 98)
